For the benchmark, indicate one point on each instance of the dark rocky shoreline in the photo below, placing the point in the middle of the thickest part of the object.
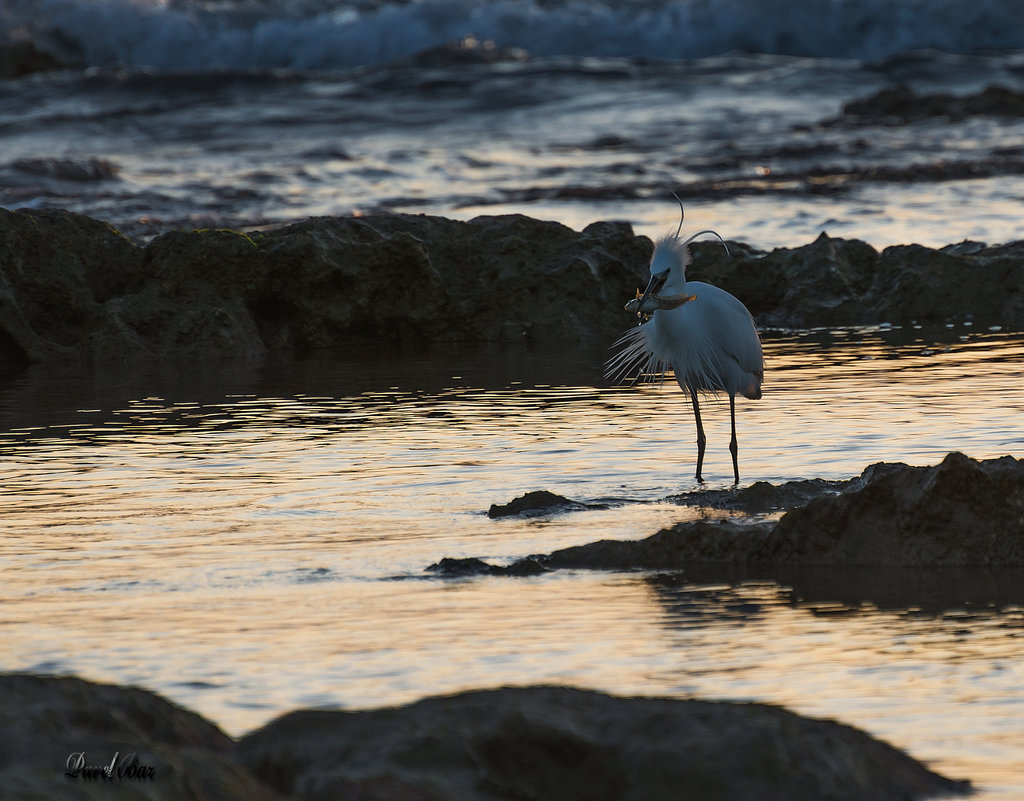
(541, 743)
(74, 289)
(960, 513)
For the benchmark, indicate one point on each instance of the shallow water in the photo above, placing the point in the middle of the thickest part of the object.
(251, 539)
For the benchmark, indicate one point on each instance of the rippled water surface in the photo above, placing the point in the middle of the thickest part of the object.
(756, 145)
(247, 540)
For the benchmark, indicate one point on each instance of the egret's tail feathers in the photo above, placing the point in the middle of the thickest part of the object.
(635, 356)
(752, 391)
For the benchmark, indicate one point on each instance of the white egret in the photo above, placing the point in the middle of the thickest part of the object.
(702, 332)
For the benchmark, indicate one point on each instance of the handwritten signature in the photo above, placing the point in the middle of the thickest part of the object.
(127, 768)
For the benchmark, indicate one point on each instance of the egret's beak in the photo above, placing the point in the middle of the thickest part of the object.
(656, 283)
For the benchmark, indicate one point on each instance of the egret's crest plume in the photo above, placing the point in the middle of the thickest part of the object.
(670, 251)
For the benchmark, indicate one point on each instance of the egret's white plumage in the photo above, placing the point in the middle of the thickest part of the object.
(710, 343)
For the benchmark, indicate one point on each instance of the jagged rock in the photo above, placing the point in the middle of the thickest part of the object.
(847, 282)
(58, 272)
(561, 744)
(959, 513)
(827, 279)
(463, 567)
(74, 288)
(45, 721)
(917, 283)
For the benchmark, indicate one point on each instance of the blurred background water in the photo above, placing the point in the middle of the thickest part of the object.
(199, 113)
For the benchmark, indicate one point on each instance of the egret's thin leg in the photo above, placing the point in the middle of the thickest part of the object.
(734, 448)
(701, 440)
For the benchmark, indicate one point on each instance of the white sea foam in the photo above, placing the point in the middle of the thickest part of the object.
(329, 34)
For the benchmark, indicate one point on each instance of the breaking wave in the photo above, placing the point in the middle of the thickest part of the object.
(337, 34)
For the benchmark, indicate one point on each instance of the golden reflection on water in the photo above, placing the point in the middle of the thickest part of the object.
(258, 545)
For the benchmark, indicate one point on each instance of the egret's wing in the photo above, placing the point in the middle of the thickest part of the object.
(743, 347)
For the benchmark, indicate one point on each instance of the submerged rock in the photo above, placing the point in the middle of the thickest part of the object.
(537, 503)
(897, 105)
(455, 567)
(718, 541)
(460, 568)
(960, 513)
(761, 496)
(561, 744)
(52, 726)
(24, 57)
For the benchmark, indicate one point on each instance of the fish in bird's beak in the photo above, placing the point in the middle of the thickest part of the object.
(656, 283)
(650, 301)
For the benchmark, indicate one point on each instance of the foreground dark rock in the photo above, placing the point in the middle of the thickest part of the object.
(44, 721)
(541, 743)
(564, 744)
(73, 288)
(960, 513)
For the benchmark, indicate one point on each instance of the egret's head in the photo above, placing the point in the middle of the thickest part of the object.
(667, 287)
(668, 262)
